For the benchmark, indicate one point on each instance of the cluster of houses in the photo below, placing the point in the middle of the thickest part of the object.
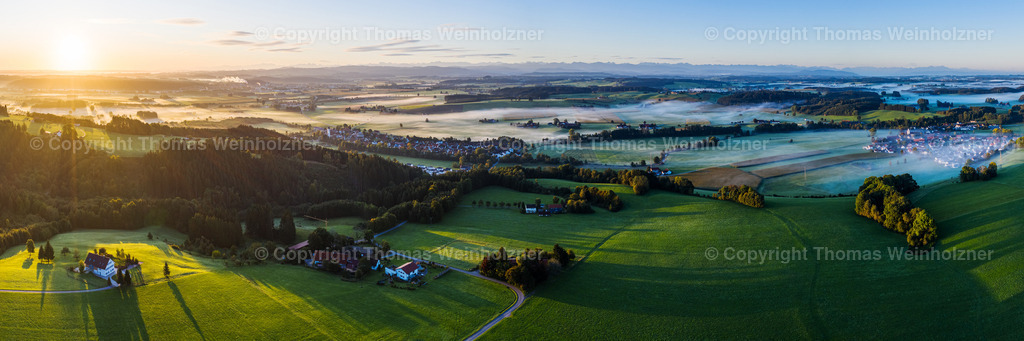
(434, 170)
(567, 124)
(348, 260)
(657, 171)
(528, 124)
(367, 137)
(544, 210)
(950, 150)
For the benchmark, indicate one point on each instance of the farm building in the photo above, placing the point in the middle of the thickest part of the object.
(531, 209)
(405, 272)
(100, 266)
(556, 208)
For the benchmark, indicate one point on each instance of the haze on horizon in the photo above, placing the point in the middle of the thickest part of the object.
(193, 35)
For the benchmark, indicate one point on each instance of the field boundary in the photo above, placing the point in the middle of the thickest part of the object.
(771, 159)
(816, 164)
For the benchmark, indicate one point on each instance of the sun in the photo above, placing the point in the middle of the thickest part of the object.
(71, 53)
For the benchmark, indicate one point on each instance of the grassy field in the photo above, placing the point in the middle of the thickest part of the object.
(888, 115)
(468, 233)
(343, 226)
(21, 272)
(205, 300)
(647, 275)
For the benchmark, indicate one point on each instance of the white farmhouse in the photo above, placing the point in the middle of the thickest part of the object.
(405, 272)
(100, 266)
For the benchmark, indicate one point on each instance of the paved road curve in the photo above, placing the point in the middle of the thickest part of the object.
(520, 296)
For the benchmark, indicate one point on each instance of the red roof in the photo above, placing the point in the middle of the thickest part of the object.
(553, 206)
(409, 267)
(96, 261)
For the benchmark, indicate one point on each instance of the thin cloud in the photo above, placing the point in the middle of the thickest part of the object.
(429, 48)
(272, 43)
(230, 42)
(183, 21)
(397, 54)
(380, 47)
(492, 55)
(240, 33)
(289, 49)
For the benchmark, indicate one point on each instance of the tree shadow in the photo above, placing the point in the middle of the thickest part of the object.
(27, 263)
(44, 271)
(185, 308)
(116, 314)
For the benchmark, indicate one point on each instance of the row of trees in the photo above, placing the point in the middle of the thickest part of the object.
(45, 253)
(899, 107)
(742, 194)
(841, 103)
(883, 199)
(765, 96)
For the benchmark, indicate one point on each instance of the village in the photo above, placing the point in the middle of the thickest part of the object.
(949, 148)
(376, 139)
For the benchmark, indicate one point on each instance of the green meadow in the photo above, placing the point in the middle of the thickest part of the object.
(646, 272)
(469, 232)
(206, 300)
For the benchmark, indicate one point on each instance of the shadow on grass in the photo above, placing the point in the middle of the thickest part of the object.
(325, 291)
(43, 270)
(115, 314)
(184, 307)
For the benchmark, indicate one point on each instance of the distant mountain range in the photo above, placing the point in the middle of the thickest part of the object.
(457, 70)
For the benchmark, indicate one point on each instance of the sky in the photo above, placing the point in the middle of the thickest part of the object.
(220, 35)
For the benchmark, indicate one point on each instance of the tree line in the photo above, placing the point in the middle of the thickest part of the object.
(741, 194)
(883, 199)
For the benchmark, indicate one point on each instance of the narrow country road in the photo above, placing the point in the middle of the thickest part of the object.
(520, 296)
(56, 292)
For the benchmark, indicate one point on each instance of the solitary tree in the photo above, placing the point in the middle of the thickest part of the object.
(167, 271)
(286, 230)
(30, 246)
(48, 251)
